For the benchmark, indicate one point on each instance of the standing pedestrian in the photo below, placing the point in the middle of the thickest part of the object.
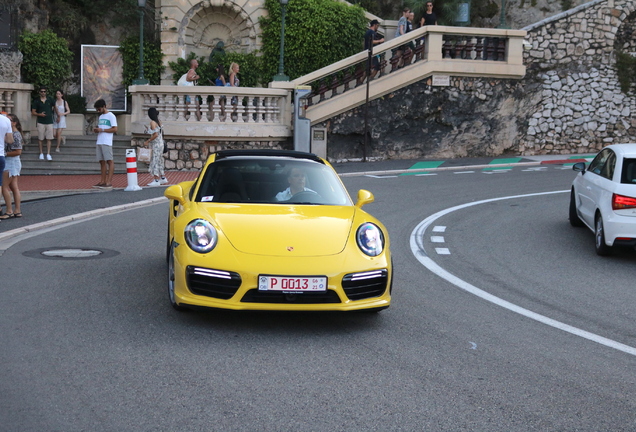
(12, 168)
(429, 17)
(61, 111)
(155, 142)
(370, 40)
(43, 108)
(105, 129)
(6, 136)
(190, 79)
(221, 81)
(234, 81)
(401, 30)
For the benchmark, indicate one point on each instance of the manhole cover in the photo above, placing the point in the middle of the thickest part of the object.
(70, 253)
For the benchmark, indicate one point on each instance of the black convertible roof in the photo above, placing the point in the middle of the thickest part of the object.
(271, 153)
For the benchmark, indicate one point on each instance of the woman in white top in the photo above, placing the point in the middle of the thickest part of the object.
(61, 111)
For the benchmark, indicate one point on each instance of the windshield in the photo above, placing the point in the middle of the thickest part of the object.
(271, 180)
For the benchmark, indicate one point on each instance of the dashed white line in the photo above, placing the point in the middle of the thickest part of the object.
(419, 251)
(437, 239)
(439, 228)
(463, 172)
(442, 251)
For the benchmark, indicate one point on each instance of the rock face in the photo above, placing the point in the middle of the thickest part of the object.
(569, 102)
(10, 63)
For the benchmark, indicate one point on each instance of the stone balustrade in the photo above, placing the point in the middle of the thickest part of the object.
(16, 99)
(213, 113)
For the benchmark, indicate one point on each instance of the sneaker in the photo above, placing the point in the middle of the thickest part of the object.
(163, 181)
(41, 156)
(48, 157)
(154, 183)
(57, 150)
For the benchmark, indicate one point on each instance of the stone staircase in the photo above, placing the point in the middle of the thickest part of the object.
(77, 156)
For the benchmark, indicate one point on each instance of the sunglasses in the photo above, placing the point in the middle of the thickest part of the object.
(42, 91)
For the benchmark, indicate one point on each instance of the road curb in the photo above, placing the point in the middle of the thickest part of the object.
(76, 217)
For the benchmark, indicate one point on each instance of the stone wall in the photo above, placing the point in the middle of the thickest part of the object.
(569, 102)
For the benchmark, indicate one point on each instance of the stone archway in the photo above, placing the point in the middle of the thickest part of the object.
(213, 24)
(204, 24)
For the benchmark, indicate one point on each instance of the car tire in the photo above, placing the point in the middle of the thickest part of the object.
(599, 237)
(575, 220)
(171, 296)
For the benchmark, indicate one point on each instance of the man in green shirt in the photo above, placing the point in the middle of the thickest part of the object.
(43, 108)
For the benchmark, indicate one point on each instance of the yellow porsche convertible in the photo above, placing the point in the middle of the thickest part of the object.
(274, 230)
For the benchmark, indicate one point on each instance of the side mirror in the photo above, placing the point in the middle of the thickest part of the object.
(364, 197)
(175, 192)
(579, 167)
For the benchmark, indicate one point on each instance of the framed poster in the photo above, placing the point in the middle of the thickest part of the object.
(103, 76)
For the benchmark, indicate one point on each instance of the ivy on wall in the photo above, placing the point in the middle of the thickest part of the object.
(153, 60)
(626, 71)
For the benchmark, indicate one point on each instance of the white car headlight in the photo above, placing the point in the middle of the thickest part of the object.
(201, 236)
(370, 239)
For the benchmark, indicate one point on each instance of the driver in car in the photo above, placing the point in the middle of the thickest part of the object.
(296, 179)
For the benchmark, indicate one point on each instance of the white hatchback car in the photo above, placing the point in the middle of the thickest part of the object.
(603, 197)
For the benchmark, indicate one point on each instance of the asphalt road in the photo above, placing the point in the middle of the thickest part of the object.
(92, 344)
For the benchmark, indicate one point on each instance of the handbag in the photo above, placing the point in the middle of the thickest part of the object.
(144, 155)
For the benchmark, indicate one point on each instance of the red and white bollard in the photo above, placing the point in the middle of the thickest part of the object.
(131, 170)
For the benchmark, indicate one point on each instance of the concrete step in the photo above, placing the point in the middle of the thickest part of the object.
(77, 156)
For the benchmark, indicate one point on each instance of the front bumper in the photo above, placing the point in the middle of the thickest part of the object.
(207, 281)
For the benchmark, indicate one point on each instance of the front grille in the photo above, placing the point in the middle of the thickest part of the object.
(364, 285)
(212, 283)
(256, 296)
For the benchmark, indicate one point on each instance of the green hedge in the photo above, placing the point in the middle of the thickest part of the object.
(317, 33)
(46, 59)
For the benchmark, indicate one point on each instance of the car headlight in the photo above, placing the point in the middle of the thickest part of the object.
(200, 235)
(370, 239)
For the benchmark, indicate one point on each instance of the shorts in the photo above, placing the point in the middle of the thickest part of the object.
(13, 164)
(104, 152)
(45, 131)
(1, 168)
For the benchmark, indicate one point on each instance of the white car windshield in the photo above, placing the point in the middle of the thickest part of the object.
(271, 180)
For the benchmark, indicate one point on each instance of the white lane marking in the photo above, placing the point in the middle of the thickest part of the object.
(442, 251)
(439, 228)
(427, 174)
(417, 247)
(463, 172)
(437, 239)
(380, 177)
(496, 171)
(536, 169)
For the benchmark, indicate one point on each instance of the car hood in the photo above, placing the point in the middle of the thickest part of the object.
(284, 230)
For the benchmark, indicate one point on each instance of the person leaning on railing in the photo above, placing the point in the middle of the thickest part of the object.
(371, 39)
